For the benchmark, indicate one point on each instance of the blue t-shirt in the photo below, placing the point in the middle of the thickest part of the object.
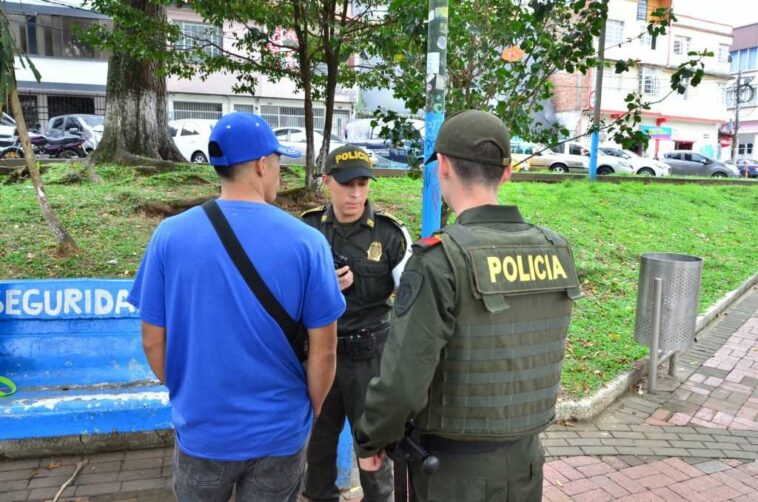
(237, 389)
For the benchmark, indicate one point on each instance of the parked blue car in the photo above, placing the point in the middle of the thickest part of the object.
(748, 167)
(359, 132)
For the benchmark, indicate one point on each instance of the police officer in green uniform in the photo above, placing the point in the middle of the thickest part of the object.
(477, 335)
(371, 248)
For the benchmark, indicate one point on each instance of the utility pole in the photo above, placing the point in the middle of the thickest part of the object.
(738, 101)
(598, 101)
(436, 83)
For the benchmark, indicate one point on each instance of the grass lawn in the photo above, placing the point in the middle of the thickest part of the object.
(609, 226)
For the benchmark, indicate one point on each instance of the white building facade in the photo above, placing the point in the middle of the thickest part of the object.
(744, 63)
(690, 121)
(280, 103)
(74, 75)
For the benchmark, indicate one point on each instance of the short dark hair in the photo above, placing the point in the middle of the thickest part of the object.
(471, 171)
(229, 173)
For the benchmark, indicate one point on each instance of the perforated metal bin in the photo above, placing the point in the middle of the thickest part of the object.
(680, 277)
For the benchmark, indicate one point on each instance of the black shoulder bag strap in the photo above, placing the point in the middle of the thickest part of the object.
(293, 330)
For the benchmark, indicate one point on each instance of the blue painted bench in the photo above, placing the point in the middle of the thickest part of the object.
(74, 350)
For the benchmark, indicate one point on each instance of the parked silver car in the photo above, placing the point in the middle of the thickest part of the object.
(641, 165)
(689, 163)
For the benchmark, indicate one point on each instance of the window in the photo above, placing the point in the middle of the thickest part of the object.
(575, 150)
(735, 55)
(614, 32)
(282, 134)
(66, 105)
(57, 124)
(297, 136)
(29, 109)
(611, 79)
(649, 84)
(54, 36)
(292, 116)
(673, 156)
(244, 108)
(642, 10)
(748, 59)
(200, 36)
(696, 158)
(723, 54)
(72, 123)
(190, 129)
(745, 149)
(194, 110)
(681, 45)
(721, 93)
(646, 39)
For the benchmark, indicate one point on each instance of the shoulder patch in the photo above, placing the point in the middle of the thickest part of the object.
(390, 217)
(312, 211)
(427, 242)
(407, 291)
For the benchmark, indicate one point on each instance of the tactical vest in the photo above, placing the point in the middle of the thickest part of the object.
(499, 375)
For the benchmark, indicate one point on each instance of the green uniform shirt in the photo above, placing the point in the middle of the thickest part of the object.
(423, 322)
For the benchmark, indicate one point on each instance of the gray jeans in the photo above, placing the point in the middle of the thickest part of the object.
(265, 479)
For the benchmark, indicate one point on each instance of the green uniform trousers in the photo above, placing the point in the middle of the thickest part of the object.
(345, 399)
(512, 473)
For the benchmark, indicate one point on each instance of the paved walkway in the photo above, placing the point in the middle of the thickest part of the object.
(697, 439)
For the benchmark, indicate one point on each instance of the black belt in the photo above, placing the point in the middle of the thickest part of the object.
(445, 445)
(369, 336)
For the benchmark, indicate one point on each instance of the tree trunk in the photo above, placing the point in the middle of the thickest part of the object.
(66, 244)
(304, 60)
(136, 121)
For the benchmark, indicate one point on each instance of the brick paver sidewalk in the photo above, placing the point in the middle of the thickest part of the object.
(697, 439)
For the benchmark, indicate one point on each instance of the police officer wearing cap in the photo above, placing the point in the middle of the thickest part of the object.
(477, 335)
(370, 249)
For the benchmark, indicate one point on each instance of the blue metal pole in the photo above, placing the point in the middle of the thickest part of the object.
(436, 82)
(598, 103)
(593, 155)
(345, 457)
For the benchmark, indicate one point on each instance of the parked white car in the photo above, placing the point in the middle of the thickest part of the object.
(191, 138)
(573, 157)
(294, 137)
(7, 130)
(642, 165)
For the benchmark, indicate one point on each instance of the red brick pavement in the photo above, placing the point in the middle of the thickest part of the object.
(594, 479)
(728, 401)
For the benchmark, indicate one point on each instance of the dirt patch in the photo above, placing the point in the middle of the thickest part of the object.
(164, 209)
(294, 201)
(297, 200)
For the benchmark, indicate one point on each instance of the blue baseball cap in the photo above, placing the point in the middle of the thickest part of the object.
(241, 137)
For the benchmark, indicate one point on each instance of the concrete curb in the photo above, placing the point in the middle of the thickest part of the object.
(588, 408)
(84, 444)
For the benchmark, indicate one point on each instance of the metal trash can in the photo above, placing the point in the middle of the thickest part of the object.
(667, 302)
(680, 294)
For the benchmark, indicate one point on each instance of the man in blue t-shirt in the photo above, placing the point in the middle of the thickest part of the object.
(242, 403)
